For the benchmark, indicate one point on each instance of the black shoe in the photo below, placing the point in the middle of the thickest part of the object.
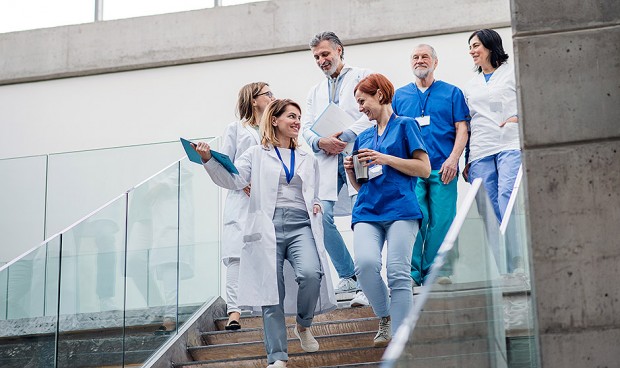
(232, 325)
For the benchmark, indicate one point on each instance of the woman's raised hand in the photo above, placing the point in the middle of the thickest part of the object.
(203, 149)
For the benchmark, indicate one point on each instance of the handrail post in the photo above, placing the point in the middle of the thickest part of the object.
(98, 10)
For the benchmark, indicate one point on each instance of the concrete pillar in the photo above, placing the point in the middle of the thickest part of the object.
(568, 73)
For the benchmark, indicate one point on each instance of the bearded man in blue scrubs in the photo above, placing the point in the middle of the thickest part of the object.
(442, 114)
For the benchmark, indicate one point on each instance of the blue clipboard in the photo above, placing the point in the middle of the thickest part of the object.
(223, 159)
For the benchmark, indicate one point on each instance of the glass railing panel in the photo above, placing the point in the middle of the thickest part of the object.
(23, 188)
(153, 261)
(457, 319)
(518, 306)
(199, 235)
(91, 324)
(28, 295)
(96, 177)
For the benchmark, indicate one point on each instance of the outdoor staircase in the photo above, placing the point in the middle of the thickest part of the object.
(345, 336)
(455, 329)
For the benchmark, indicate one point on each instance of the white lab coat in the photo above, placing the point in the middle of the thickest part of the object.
(318, 100)
(490, 104)
(258, 285)
(236, 140)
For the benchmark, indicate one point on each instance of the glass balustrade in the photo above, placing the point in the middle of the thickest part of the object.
(29, 307)
(112, 288)
(470, 312)
(54, 191)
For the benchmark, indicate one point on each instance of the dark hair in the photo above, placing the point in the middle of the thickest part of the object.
(328, 36)
(493, 42)
(375, 82)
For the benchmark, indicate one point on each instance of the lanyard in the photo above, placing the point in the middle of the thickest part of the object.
(377, 141)
(423, 105)
(289, 175)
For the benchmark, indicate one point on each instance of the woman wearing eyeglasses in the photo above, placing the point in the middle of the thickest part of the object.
(284, 223)
(238, 137)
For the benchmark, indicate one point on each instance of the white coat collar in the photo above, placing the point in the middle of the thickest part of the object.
(252, 131)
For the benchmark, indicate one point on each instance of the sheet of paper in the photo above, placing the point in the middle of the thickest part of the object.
(333, 120)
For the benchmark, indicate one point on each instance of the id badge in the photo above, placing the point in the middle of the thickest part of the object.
(423, 120)
(496, 106)
(375, 171)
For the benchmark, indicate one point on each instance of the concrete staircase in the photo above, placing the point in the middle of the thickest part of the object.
(456, 329)
(345, 336)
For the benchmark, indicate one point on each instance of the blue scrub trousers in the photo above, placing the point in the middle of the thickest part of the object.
(438, 205)
(334, 244)
(295, 243)
(498, 173)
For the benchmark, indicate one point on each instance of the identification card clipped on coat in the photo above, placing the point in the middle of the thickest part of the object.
(496, 106)
(375, 171)
(423, 120)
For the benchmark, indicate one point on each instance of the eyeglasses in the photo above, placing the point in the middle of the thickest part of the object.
(268, 94)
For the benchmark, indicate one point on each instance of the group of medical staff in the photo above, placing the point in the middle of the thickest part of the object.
(279, 233)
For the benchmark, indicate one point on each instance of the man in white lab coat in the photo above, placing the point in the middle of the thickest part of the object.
(336, 88)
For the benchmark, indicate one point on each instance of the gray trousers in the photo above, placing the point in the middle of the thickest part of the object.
(295, 243)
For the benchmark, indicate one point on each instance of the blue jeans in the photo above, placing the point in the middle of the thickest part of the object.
(438, 205)
(334, 244)
(369, 238)
(295, 243)
(498, 173)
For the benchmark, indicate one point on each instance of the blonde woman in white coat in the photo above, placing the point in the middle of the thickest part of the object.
(238, 137)
(284, 222)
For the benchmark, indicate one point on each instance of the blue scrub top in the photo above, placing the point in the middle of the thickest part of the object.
(390, 196)
(445, 104)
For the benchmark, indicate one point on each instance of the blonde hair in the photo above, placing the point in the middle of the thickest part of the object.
(245, 110)
(267, 130)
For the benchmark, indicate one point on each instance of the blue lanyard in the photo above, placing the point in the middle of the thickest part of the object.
(377, 141)
(423, 105)
(289, 175)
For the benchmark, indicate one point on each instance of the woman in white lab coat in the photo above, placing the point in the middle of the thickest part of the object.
(284, 222)
(238, 137)
(494, 147)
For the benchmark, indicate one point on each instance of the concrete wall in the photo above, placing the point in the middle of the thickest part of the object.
(568, 72)
(261, 28)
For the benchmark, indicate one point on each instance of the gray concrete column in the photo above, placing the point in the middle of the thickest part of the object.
(568, 73)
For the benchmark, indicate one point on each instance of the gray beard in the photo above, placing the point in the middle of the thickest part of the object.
(331, 70)
(422, 74)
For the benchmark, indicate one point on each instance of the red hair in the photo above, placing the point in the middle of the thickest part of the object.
(377, 82)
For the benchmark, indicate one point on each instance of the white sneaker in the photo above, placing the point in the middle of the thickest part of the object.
(346, 285)
(360, 300)
(444, 280)
(384, 335)
(308, 342)
(277, 364)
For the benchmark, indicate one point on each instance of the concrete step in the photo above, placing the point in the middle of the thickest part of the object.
(355, 365)
(304, 360)
(337, 314)
(318, 329)
(256, 349)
